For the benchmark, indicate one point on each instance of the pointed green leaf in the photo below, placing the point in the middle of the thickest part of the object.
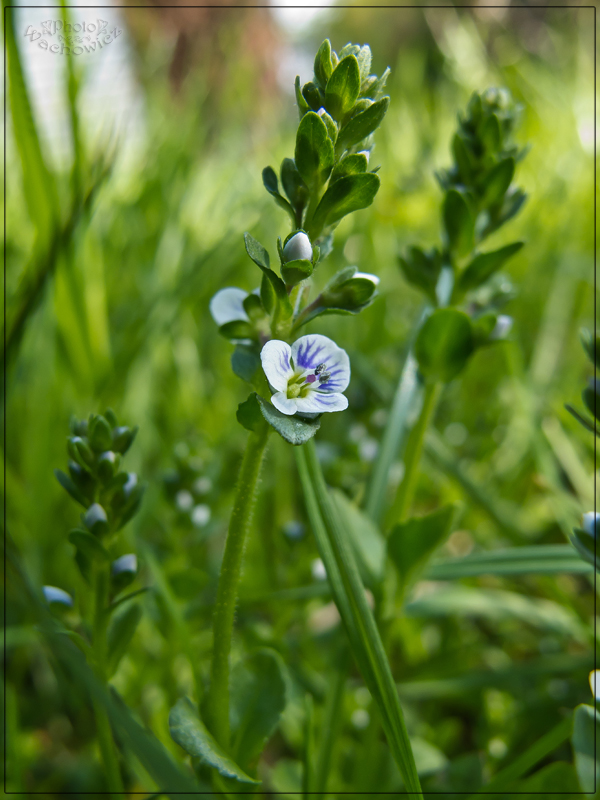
(458, 222)
(314, 150)
(444, 344)
(293, 429)
(498, 181)
(190, 733)
(363, 124)
(70, 487)
(484, 265)
(89, 545)
(366, 538)
(120, 634)
(272, 186)
(343, 88)
(346, 195)
(249, 415)
(586, 746)
(258, 697)
(412, 543)
(293, 185)
(355, 164)
(323, 63)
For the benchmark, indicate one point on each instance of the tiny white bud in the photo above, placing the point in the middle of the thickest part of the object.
(200, 515)
(298, 247)
(318, 570)
(366, 276)
(203, 485)
(53, 594)
(366, 153)
(184, 500)
(126, 563)
(595, 683)
(590, 521)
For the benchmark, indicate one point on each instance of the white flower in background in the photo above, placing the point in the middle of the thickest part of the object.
(53, 594)
(184, 500)
(228, 306)
(298, 247)
(200, 515)
(318, 570)
(502, 328)
(590, 521)
(308, 377)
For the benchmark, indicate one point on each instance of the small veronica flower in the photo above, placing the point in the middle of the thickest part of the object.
(227, 306)
(308, 377)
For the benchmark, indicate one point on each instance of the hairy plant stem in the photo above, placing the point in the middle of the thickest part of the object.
(217, 704)
(412, 457)
(101, 582)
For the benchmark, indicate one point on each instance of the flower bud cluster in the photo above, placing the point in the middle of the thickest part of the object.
(188, 488)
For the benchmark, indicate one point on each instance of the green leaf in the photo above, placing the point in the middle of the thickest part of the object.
(444, 344)
(591, 344)
(346, 195)
(490, 134)
(547, 559)
(343, 88)
(366, 538)
(355, 164)
(484, 265)
(553, 779)
(245, 362)
(120, 634)
(499, 605)
(283, 310)
(293, 429)
(303, 106)
(462, 158)
(38, 182)
(294, 272)
(363, 124)
(314, 150)
(70, 487)
(498, 181)
(412, 543)
(586, 746)
(364, 58)
(249, 415)
(238, 329)
(349, 594)
(312, 95)
(272, 186)
(100, 434)
(422, 269)
(89, 545)
(323, 64)
(293, 185)
(190, 733)
(458, 222)
(258, 698)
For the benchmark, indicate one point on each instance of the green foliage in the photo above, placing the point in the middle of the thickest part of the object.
(412, 543)
(586, 749)
(294, 429)
(444, 344)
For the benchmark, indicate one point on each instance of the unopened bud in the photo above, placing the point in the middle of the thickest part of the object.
(298, 248)
(590, 522)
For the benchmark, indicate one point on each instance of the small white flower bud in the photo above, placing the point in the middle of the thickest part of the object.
(53, 594)
(590, 521)
(502, 328)
(126, 563)
(298, 247)
(367, 276)
(318, 570)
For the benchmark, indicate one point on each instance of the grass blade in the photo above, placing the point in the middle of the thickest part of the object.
(354, 609)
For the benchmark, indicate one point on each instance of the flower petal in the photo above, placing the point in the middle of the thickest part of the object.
(284, 403)
(275, 357)
(314, 349)
(321, 402)
(227, 306)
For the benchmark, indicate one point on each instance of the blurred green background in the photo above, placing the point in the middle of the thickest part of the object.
(117, 316)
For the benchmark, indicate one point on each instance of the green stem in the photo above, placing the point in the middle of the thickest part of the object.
(332, 720)
(352, 603)
(239, 525)
(407, 395)
(412, 457)
(99, 627)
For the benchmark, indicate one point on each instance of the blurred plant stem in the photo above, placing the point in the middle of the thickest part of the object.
(101, 581)
(353, 605)
(217, 704)
(414, 450)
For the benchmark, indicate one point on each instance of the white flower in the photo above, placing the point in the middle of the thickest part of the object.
(595, 683)
(502, 328)
(318, 570)
(184, 500)
(298, 247)
(308, 377)
(590, 521)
